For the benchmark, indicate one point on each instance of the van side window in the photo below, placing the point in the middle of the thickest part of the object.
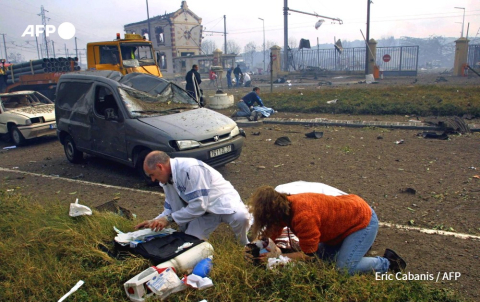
(109, 55)
(74, 95)
(104, 99)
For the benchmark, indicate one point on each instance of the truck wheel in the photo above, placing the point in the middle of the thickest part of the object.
(17, 136)
(139, 167)
(71, 152)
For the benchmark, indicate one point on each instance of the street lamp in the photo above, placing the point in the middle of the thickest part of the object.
(263, 21)
(463, 22)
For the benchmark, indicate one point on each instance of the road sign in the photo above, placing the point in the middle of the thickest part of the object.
(386, 58)
(274, 57)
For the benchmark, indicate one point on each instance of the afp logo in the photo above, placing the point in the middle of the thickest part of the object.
(66, 30)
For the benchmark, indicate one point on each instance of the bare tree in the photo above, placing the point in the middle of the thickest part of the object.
(208, 46)
(270, 44)
(233, 47)
(293, 43)
(249, 52)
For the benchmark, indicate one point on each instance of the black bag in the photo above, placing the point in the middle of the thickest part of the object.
(164, 248)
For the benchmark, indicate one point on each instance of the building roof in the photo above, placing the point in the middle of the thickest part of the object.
(183, 9)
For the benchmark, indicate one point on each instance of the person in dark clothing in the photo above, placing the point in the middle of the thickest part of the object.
(246, 105)
(237, 72)
(193, 81)
(229, 77)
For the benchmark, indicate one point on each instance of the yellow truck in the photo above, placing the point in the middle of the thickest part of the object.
(132, 54)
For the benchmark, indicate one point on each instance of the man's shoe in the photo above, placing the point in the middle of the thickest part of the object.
(397, 264)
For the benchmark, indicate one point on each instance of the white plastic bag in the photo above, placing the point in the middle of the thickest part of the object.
(166, 283)
(79, 209)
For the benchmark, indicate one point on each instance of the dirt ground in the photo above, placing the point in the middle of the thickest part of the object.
(425, 183)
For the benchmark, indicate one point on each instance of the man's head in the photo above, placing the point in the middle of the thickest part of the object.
(256, 89)
(157, 166)
(195, 66)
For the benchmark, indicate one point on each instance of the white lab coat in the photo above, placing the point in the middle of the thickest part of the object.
(197, 189)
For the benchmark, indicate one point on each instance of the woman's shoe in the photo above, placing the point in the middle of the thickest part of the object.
(397, 264)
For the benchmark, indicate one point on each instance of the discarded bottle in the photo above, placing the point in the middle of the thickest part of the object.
(203, 268)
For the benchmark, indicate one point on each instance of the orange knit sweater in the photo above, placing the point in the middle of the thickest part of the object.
(319, 218)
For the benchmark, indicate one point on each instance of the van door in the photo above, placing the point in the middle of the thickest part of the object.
(108, 127)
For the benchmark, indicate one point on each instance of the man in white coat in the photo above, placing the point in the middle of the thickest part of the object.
(197, 197)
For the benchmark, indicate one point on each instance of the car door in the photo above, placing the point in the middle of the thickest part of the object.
(108, 127)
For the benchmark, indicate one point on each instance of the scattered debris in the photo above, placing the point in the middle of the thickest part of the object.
(451, 125)
(256, 133)
(74, 289)
(112, 206)
(324, 83)
(399, 142)
(78, 176)
(332, 101)
(77, 209)
(408, 191)
(10, 147)
(261, 167)
(283, 141)
(314, 134)
(379, 137)
(440, 79)
(433, 135)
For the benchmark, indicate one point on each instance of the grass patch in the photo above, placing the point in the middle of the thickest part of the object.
(421, 100)
(45, 252)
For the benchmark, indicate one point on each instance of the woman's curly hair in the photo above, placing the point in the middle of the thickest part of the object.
(270, 210)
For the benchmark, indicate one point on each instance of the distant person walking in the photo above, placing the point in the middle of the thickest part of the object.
(193, 81)
(229, 77)
(237, 72)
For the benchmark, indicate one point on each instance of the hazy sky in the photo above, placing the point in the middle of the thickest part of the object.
(97, 20)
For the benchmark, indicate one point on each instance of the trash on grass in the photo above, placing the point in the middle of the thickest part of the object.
(399, 142)
(166, 283)
(9, 147)
(74, 289)
(197, 282)
(332, 101)
(281, 260)
(77, 209)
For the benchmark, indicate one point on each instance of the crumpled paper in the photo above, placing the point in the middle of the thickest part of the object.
(274, 262)
(197, 281)
(77, 209)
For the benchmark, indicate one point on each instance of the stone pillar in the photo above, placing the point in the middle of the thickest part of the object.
(217, 57)
(275, 51)
(371, 59)
(217, 66)
(461, 55)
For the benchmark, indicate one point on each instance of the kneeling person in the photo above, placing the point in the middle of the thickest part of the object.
(197, 197)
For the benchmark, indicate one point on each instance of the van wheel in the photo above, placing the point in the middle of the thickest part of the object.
(17, 136)
(139, 167)
(71, 152)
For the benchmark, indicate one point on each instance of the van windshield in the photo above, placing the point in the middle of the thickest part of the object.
(172, 99)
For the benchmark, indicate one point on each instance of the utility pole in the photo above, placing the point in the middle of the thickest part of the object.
(38, 51)
(53, 48)
(44, 22)
(225, 32)
(263, 21)
(76, 50)
(5, 47)
(66, 51)
(148, 20)
(285, 35)
(368, 37)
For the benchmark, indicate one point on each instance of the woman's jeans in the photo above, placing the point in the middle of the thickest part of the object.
(349, 255)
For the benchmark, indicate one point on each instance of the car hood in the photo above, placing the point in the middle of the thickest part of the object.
(198, 124)
(46, 111)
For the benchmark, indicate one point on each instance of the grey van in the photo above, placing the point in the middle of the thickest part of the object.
(123, 118)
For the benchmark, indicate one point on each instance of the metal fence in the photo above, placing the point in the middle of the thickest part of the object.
(474, 56)
(403, 60)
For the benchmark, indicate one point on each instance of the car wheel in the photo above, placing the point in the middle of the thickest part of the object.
(17, 136)
(71, 152)
(139, 167)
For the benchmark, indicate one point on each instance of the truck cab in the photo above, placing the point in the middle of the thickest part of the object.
(132, 54)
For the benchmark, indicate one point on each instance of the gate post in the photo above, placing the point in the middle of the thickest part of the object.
(461, 55)
(275, 49)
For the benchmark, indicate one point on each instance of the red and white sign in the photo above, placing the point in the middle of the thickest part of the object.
(274, 57)
(386, 58)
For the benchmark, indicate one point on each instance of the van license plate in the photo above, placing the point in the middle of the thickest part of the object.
(220, 151)
(53, 126)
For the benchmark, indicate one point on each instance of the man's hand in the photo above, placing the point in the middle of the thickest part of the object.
(154, 224)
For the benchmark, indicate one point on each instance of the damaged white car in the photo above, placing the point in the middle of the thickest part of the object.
(25, 115)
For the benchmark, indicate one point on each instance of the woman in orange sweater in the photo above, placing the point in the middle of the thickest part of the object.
(334, 228)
